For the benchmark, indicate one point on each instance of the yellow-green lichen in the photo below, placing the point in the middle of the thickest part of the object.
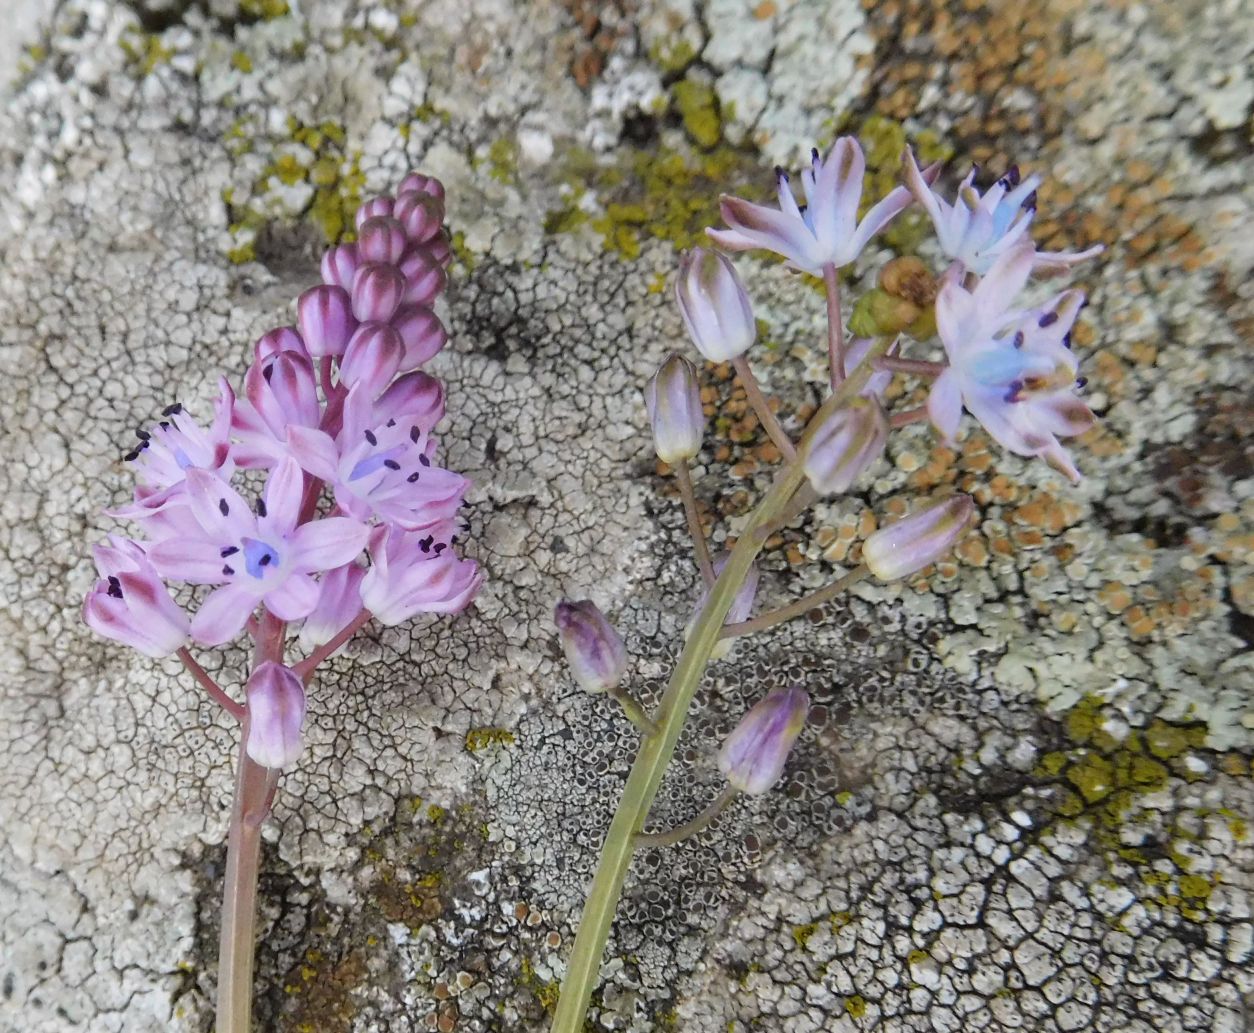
(241, 62)
(265, 10)
(481, 738)
(855, 1006)
(697, 107)
(801, 933)
(502, 160)
(673, 56)
(144, 51)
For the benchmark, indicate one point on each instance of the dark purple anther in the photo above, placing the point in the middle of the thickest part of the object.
(1049, 319)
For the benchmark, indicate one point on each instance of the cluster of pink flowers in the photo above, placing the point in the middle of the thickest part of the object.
(337, 413)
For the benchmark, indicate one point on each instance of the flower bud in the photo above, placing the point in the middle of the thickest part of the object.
(741, 607)
(674, 403)
(281, 339)
(325, 317)
(714, 305)
(339, 265)
(372, 209)
(372, 357)
(414, 397)
(845, 444)
(381, 239)
(880, 314)
(377, 292)
(276, 712)
(439, 249)
(921, 538)
(424, 276)
(410, 573)
(422, 334)
(422, 215)
(594, 650)
(908, 277)
(130, 603)
(420, 184)
(752, 758)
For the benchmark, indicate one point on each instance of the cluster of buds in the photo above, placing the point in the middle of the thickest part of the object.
(356, 517)
(1009, 364)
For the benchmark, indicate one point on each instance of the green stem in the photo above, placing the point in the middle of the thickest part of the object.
(633, 711)
(656, 751)
(689, 828)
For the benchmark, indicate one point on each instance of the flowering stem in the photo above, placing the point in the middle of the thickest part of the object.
(916, 367)
(800, 607)
(907, 417)
(765, 417)
(656, 751)
(689, 496)
(835, 326)
(690, 828)
(254, 792)
(207, 683)
(636, 714)
(305, 669)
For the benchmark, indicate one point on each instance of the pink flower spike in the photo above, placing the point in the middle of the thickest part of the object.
(339, 266)
(422, 334)
(422, 215)
(376, 207)
(425, 277)
(339, 601)
(372, 358)
(413, 573)
(325, 317)
(826, 232)
(130, 603)
(275, 715)
(381, 239)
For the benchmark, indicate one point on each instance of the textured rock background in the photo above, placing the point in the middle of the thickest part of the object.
(1023, 802)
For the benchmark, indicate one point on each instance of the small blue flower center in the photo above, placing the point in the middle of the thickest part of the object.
(258, 557)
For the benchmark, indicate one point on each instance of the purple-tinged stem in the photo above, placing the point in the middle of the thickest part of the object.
(835, 326)
(305, 669)
(689, 828)
(215, 691)
(686, 491)
(916, 367)
(797, 609)
(765, 417)
(254, 792)
(907, 417)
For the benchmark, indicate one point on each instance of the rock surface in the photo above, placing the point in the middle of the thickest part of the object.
(1023, 800)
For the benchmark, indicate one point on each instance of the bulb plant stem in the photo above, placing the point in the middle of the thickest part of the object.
(907, 417)
(656, 751)
(835, 326)
(702, 548)
(915, 367)
(635, 713)
(689, 828)
(799, 608)
(765, 417)
(254, 792)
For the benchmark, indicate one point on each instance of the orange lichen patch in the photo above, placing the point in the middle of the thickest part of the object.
(1048, 513)
(1025, 79)
(764, 10)
(973, 550)
(599, 27)
(1115, 597)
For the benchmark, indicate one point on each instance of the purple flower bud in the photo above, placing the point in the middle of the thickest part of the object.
(283, 391)
(422, 215)
(325, 317)
(372, 357)
(594, 650)
(282, 339)
(381, 239)
(414, 398)
(741, 607)
(421, 332)
(339, 601)
(919, 539)
(130, 603)
(372, 209)
(377, 292)
(417, 183)
(673, 400)
(276, 712)
(845, 444)
(439, 249)
(339, 266)
(411, 572)
(753, 756)
(424, 276)
(714, 305)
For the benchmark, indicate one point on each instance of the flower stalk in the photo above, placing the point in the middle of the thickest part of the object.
(656, 751)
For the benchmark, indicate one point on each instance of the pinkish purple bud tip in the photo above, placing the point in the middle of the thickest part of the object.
(673, 400)
(594, 650)
(276, 713)
(919, 539)
(753, 756)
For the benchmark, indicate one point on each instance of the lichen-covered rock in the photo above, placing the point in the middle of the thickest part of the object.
(1022, 801)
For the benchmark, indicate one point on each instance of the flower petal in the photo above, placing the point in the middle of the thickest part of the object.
(223, 614)
(197, 561)
(294, 599)
(314, 450)
(326, 544)
(944, 405)
(756, 226)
